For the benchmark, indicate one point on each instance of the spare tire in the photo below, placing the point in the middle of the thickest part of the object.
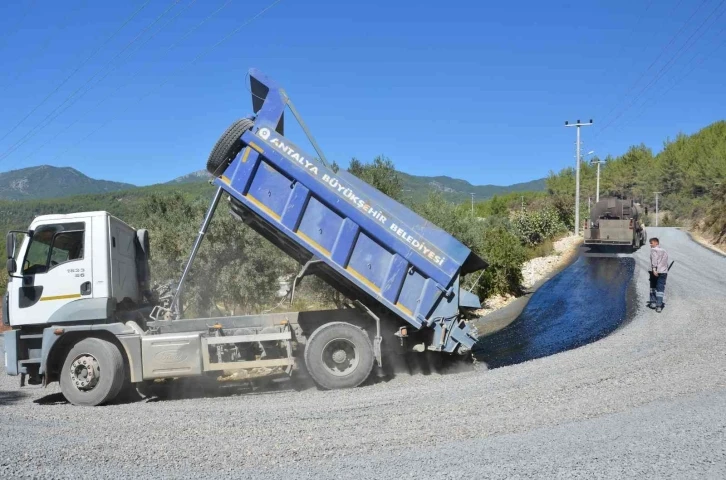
(228, 146)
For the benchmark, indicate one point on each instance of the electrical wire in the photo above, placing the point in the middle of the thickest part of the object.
(137, 72)
(173, 75)
(97, 105)
(684, 48)
(39, 53)
(663, 51)
(636, 24)
(83, 63)
(18, 24)
(70, 100)
(652, 100)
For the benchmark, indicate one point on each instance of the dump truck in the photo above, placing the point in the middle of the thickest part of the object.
(83, 311)
(614, 224)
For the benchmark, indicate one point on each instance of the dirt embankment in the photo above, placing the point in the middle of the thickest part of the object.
(707, 241)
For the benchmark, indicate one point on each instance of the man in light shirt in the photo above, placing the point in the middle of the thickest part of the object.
(658, 274)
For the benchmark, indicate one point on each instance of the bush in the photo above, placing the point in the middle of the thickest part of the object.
(505, 255)
(534, 227)
(236, 271)
(715, 222)
(667, 221)
(491, 240)
(544, 249)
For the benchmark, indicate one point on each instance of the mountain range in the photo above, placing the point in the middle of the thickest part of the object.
(46, 181)
(34, 183)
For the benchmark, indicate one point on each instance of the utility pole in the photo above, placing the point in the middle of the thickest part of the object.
(597, 191)
(589, 199)
(656, 207)
(522, 203)
(472, 205)
(577, 174)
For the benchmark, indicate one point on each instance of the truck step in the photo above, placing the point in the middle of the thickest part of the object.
(31, 336)
(260, 337)
(29, 361)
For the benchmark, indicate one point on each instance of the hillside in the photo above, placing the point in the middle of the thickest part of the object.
(457, 190)
(46, 181)
(417, 188)
(689, 172)
(194, 177)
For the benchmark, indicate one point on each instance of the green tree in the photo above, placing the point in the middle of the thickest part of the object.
(381, 174)
(491, 240)
(534, 227)
(505, 255)
(236, 270)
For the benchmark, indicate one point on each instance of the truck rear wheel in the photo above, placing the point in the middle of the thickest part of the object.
(228, 146)
(93, 372)
(339, 355)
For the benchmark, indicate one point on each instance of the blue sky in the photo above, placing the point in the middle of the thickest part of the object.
(470, 89)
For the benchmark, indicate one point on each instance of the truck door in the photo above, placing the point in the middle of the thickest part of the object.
(55, 269)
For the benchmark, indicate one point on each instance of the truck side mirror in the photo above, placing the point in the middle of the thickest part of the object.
(11, 266)
(10, 245)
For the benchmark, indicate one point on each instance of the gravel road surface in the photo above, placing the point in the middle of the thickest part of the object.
(647, 401)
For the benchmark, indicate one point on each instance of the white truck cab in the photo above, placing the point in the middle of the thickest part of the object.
(73, 267)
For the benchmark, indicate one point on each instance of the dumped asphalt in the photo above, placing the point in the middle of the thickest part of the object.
(580, 305)
(645, 401)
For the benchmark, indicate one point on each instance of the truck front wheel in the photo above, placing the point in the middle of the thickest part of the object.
(339, 355)
(93, 372)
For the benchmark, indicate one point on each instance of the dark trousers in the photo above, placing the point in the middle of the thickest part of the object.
(657, 288)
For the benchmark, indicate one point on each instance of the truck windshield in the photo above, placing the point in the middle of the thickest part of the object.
(52, 245)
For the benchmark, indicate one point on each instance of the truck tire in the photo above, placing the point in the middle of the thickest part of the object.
(93, 372)
(228, 146)
(339, 355)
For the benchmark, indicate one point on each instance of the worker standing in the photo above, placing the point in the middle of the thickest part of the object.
(658, 274)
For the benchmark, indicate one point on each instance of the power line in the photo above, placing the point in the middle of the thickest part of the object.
(685, 47)
(627, 43)
(28, 61)
(138, 71)
(663, 50)
(676, 7)
(70, 98)
(632, 29)
(95, 52)
(651, 100)
(95, 107)
(18, 24)
(174, 74)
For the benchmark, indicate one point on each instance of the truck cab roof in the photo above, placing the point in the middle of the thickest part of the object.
(61, 217)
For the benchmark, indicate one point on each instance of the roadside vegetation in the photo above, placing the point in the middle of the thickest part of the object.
(249, 270)
(690, 173)
(506, 230)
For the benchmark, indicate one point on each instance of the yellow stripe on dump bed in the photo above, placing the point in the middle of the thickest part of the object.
(262, 207)
(363, 279)
(314, 243)
(404, 309)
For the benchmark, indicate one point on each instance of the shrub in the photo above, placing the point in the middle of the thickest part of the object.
(534, 227)
(490, 239)
(505, 255)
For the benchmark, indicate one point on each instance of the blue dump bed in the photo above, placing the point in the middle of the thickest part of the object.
(372, 248)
